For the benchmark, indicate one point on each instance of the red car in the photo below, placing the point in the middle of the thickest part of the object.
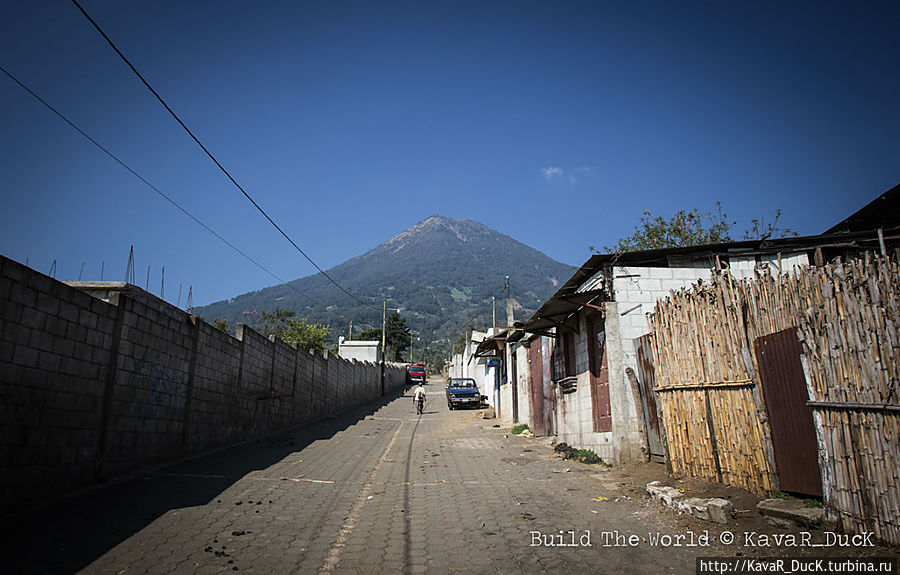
(415, 374)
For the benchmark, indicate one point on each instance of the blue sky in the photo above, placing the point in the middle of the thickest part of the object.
(553, 122)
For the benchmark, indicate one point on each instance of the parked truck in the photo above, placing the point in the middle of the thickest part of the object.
(463, 391)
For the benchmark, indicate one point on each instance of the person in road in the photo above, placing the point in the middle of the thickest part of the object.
(419, 398)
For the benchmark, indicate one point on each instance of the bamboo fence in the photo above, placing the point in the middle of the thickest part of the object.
(716, 423)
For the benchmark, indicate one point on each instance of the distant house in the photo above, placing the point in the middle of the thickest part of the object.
(359, 350)
(470, 364)
(573, 369)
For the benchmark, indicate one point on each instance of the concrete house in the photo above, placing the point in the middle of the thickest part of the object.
(369, 351)
(577, 363)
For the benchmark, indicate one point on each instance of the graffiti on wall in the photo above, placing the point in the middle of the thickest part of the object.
(153, 392)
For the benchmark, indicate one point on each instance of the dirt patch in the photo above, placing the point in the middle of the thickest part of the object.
(630, 481)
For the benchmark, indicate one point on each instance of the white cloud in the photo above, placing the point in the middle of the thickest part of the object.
(550, 172)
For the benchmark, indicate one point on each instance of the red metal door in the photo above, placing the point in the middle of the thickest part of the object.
(793, 434)
(600, 407)
(536, 387)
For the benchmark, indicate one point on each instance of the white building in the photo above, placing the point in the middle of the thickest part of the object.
(359, 350)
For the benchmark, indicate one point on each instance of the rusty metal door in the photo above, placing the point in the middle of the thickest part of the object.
(793, 433)
(536, 387)
(647, 381)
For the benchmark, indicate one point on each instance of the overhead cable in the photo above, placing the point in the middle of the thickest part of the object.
(151, 186)
(211, 157)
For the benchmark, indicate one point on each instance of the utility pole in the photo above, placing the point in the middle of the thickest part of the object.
(509, 306)
(494, 313)
(383, 343)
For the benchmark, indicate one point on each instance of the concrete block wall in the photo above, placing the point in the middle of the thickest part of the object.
(91, 389)
(744, 268)
(575, 412)
(148, 396)
(54, 359)
(216, 412)
(575, 423)
(636, 291)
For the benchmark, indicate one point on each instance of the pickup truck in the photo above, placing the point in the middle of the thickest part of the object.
(462, 391)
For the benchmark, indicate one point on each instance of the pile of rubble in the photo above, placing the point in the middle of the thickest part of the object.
(715, 509)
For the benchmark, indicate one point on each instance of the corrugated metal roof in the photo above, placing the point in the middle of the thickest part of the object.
(588, 283)
(882, 212)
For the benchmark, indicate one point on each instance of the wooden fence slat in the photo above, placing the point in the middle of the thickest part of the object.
(848, 317)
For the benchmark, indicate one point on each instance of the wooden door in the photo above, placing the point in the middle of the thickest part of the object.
(536, 387)
(647, 377)
(597, 363)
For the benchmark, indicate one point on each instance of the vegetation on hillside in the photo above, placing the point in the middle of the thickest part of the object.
(441, 273)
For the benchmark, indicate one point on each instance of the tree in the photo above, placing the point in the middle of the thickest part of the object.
(284, 325)
(761, 230)
(271, 322)
(373, 334)
(311, 336)
(435, 359)
(221, 324)
(398, 336)
(461, 340)
(691, 229)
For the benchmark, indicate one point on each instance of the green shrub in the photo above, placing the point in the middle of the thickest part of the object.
(587, 456)
(519, 428)
(812, 503)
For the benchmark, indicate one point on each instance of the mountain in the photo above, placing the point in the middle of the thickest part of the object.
(441, 273)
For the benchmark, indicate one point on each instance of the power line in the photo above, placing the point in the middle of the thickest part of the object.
(151, 186)
(211, 157)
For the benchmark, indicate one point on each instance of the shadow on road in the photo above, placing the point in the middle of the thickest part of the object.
(68, 534)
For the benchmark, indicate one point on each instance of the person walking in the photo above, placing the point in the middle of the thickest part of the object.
(419, 398)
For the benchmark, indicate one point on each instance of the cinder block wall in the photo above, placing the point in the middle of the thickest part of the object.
(90, 389)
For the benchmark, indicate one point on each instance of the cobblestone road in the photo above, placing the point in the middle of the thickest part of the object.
(377, 491)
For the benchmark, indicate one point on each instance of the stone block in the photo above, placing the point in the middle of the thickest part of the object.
(70, 366)
(25, 356)
(69, 312)
(694, 506)
(41, 340)
(87, 319)
(659, 273)
(22, 294)
(83, 352)
(15, 332)
(33, 318)
(790, 512)
(720, 510)
(63, 346)
(6, 351)
(57, 326)
(674, 285)
(76, 332)
(663, 493)
(10, 312)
